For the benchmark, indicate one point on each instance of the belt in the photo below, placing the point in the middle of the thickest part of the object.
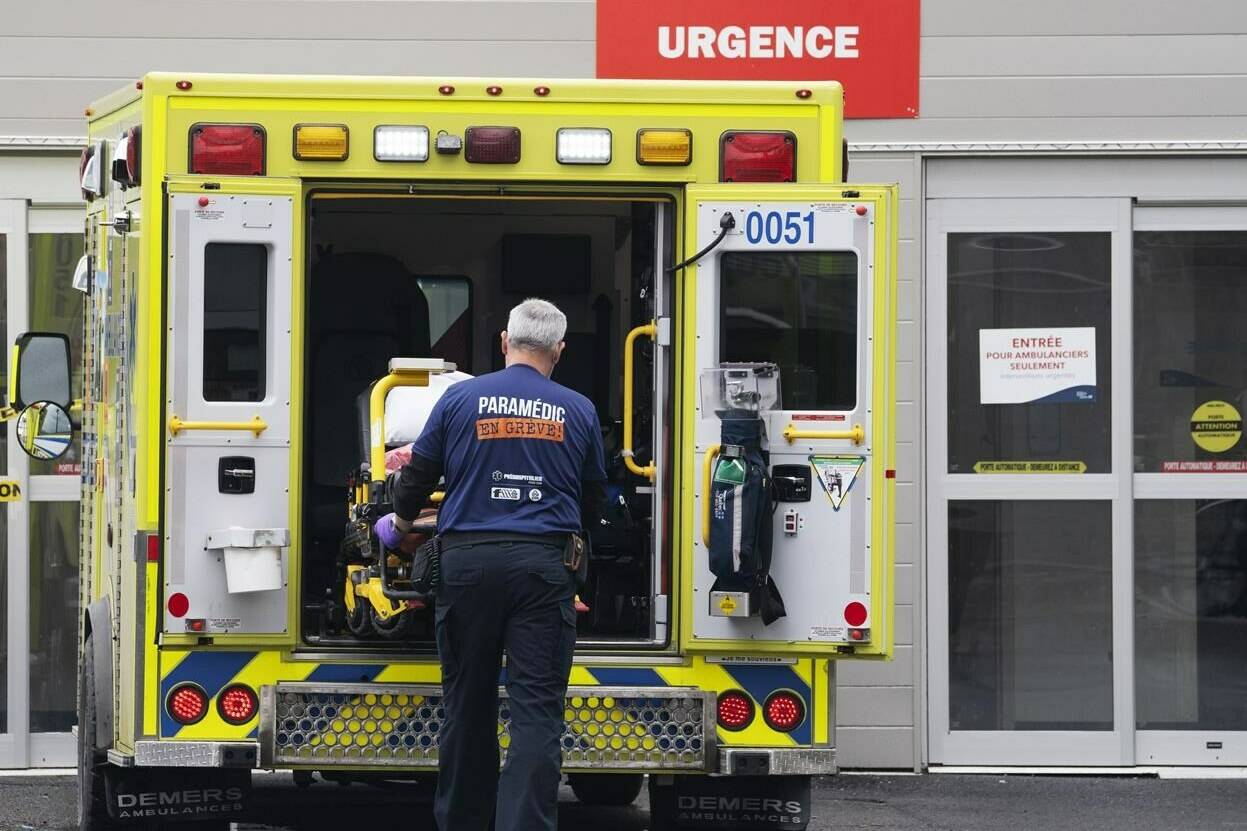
(463, 539)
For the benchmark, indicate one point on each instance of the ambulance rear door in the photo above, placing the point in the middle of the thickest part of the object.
(228, 533)
(804, 278)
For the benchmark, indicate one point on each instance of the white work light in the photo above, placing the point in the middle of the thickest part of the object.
(400, 144)
(584, 145)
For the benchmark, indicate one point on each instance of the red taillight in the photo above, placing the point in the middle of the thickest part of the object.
(227, 149)
(237, 704)
(134, 155)
(758, 157)
(153, 548)
(783, 711)
(492, 145)
(735, 710)
(855, 613)
(187, 704)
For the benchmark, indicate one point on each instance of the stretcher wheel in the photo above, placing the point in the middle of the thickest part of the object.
(397, 628)
(358, 620)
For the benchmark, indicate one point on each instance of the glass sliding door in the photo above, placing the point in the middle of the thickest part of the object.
(1190, 482)
(1028, 559)
(54, 245)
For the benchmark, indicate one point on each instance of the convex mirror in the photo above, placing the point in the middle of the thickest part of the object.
(44, 430)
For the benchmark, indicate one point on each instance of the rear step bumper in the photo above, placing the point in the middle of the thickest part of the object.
(327, 725)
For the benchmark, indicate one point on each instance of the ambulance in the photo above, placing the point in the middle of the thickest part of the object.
(272, 260)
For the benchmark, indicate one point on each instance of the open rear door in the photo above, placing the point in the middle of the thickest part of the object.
(804, 279)
(228, 531)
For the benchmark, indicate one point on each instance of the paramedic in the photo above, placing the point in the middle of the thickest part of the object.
(522, 459)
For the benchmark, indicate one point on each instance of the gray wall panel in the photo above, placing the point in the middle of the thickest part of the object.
(876, 747)
(131, 58)
(1084, 55)
(1100, 97)
(1086, 17)
(895, 673)
(466, 20)
(880, 706)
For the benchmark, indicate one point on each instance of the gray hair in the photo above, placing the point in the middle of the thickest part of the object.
(536, 325)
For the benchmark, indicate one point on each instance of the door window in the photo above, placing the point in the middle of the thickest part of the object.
(235, 294)
(1191, 614)
(798, 310)
(1030, 637)
(56, 306)
(1029, 352)
(1190, 351)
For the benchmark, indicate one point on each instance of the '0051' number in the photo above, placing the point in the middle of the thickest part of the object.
(775, 227)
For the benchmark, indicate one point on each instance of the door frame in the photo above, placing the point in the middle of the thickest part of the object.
(19, 748)
(987, 215)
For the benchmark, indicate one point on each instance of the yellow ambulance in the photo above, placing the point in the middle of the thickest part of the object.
(272, 261)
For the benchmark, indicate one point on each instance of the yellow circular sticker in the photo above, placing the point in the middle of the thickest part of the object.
(1216, 426)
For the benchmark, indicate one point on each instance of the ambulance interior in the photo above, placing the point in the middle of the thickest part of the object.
(436, 277)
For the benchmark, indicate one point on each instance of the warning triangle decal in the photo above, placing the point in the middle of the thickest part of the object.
(837, 474)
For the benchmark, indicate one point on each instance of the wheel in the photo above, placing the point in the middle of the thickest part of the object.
(92, 800)
(606, 788)
(399, 627)
(358, 620)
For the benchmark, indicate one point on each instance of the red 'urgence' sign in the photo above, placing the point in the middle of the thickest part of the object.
(870, 46)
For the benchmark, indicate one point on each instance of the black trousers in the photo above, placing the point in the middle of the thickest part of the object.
(515, 597)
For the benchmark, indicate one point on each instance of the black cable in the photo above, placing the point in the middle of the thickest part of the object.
(726, 223)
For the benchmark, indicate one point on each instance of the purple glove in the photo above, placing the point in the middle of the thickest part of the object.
(389, 533)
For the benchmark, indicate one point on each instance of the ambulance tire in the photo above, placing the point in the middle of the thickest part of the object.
(92, 799)
(606, 788)
(398, 628)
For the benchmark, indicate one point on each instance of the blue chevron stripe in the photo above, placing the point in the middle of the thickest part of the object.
(346, 673)
(210, 670)
(760, 680)
(626, 677)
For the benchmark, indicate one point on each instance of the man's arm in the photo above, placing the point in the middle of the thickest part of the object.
(410, 489)
(592, 502)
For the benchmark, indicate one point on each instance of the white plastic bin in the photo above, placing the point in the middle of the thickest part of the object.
(252, 557)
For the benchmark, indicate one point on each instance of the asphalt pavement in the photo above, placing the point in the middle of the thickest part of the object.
(934, 802)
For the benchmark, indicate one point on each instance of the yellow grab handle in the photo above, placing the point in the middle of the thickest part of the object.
(707, 467)
(376, 413)
(649, 330)
(857, 434)
(255, 425)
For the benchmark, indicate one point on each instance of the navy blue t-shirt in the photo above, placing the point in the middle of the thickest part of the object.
(514, 448)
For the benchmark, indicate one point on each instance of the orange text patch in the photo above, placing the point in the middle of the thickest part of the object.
(519, 428)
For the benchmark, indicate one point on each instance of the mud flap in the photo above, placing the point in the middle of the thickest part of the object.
(730, 803)
(145, 795)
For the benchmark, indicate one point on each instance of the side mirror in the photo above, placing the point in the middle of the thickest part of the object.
(44, 430)
(43, 372)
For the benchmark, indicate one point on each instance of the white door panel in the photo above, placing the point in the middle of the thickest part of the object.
(228, 402)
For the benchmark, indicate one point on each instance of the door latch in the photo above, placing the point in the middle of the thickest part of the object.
(236, 474)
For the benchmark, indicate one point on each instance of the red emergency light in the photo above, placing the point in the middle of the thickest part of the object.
(227, 149)
(735, 710)
(492, 145)
(783, 711)
(758, 157)
(134, 156)
(187, 703)
(237, 704)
